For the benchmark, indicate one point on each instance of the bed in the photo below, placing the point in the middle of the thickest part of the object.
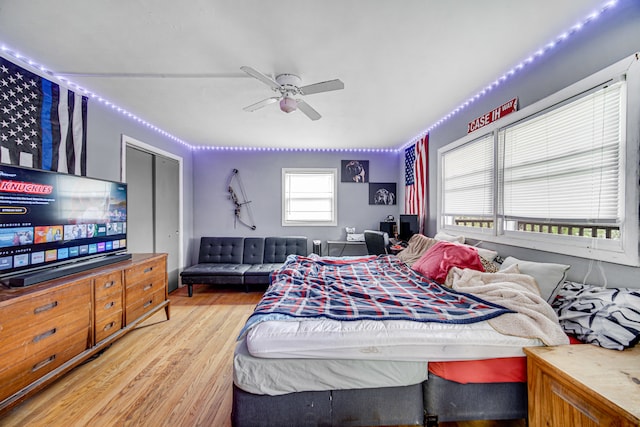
(361, 341)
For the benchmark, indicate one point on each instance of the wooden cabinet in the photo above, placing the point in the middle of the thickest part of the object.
(49, 328)
(583, 385)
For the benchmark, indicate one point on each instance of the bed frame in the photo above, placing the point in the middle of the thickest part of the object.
(435, 400)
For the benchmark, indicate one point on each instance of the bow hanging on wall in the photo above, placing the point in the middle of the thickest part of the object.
(239, 204)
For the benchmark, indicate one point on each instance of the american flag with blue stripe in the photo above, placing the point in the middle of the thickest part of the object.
(42, 125)
(373, 288)
(416, 163)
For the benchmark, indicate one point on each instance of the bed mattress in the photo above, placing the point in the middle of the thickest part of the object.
(391, 340)
(281, 376)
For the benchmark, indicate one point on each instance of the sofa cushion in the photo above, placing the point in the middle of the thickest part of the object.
(212, 273)
(259, 274)
(212, 269)
(262, 269)
(221, 250)
(253, 252)
(276, 249)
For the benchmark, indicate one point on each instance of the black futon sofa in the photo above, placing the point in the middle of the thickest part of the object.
(240, 260)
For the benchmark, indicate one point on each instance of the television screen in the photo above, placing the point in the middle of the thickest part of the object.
(408, 227)
(51, 218)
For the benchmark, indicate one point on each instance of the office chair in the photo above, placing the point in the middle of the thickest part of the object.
(377, 242)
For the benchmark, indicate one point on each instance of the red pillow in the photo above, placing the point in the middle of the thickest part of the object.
(436, 262)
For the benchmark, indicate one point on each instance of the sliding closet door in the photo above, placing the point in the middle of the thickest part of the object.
(140, 227)
(167, 213)
(153, 207)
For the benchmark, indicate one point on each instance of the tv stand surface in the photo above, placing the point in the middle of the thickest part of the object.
(49, 328)
(29, 279)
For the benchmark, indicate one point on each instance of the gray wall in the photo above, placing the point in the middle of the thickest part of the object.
(606, 41)
(260, 172)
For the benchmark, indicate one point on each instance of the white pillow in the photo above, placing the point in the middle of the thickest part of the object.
(449, 237)
(487, 254)
(548, 276)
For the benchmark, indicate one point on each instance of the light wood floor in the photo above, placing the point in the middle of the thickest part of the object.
(165, 373)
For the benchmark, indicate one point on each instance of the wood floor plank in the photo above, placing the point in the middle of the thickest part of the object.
(165, 373)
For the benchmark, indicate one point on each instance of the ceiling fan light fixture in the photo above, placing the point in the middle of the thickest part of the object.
(288, 104)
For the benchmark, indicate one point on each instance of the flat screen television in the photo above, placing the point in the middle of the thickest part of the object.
(55, 224)
(408, 227)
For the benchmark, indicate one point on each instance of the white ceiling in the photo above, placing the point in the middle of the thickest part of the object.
(405, 64)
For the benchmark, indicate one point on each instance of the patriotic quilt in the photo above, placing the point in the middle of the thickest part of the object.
(373, 288)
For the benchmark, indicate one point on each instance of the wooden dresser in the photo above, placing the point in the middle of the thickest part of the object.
(49, 328)
(583, 385)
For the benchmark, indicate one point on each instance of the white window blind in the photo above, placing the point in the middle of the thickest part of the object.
(467, 179)
(563, 165)
(309, 197)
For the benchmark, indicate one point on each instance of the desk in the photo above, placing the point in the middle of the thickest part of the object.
(346, 247)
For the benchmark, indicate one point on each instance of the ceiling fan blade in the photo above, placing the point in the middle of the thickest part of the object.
(258, 75)
(322, 87)
(263, 103)
(308, 110)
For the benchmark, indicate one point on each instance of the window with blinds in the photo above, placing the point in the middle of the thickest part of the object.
(468, 184)
(560, 170)
(309, 197)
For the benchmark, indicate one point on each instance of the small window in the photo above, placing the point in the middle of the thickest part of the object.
(309, 197)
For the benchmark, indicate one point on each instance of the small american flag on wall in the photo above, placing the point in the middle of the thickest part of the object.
(416, 163)
(42, 125)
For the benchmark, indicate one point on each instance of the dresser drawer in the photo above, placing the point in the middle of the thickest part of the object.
(108, 325)
(107, 285)
(107, 305)
(108, 317)
(20, 367)
(23, 319)
(145, 272)
(142, 289)
(137, 308)
(40, 336)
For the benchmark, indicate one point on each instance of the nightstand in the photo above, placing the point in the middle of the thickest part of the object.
(583, 385)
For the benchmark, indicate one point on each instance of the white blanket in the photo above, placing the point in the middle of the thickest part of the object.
(533, 317)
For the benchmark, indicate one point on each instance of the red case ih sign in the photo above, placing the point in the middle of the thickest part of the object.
(492, 116)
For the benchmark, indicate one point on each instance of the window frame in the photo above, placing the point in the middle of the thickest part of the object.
(623, 251)
(333, 172)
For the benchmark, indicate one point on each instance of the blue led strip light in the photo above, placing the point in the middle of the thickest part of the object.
(525, 62)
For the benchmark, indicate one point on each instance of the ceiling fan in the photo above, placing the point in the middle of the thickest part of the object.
(288, 87)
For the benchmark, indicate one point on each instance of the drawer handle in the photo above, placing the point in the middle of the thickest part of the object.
(44, 363)
(44, 335)
(45, 307)
(108, 305)
(147, 304)
(149, 286)
(148, 269)
(109, 326)
(575, 401)
(109, 284)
